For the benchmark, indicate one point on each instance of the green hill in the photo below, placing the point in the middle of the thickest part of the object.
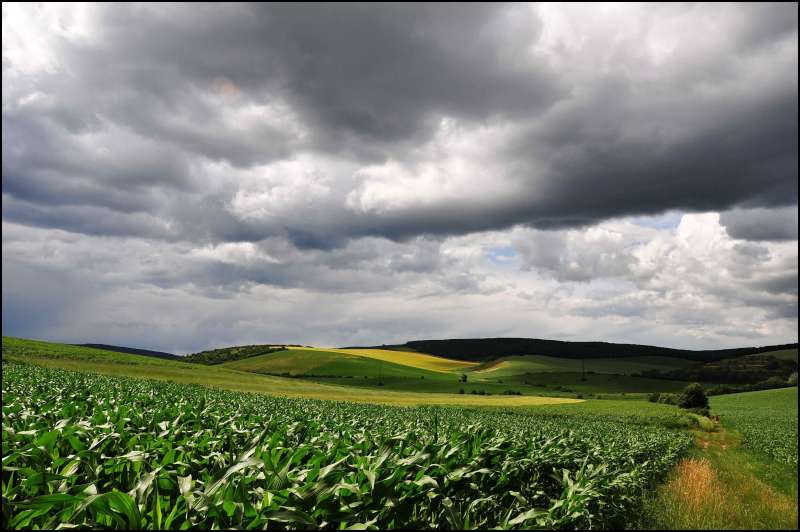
(133, 351)
(527, 375)
(319, 363)
(517, 365)
(90, 360)
(230, 354)
(484, 349)
(747, 369)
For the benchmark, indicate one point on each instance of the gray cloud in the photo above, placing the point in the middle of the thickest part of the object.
(333, 154)
(135, 114)
(761, 224)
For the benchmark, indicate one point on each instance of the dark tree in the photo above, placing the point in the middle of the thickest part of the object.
(693, 396)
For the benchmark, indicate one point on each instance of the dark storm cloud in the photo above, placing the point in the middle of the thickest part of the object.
(129, 119)
(761, 224)
(136, 113)
(200, 175)
(40, 297)
(742, 154)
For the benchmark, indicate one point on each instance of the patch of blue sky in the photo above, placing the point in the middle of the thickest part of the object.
(503, 256)
(667, 220)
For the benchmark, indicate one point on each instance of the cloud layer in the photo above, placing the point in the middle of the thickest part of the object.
(383, 159)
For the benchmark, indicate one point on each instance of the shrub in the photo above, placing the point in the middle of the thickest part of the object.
(773, 382)
(653, 397)
(792, 380)
(668, 398)
(693, 396)
(461, 391)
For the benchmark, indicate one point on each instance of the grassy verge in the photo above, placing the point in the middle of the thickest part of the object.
(723, 485)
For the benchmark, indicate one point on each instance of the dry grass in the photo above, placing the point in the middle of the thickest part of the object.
(694, 497)
(717, 490)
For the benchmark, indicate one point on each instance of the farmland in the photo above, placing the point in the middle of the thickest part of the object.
(85, 359)
(404, 371)
(741, 476)
(767, 420)
(91, 450)
(112, 439)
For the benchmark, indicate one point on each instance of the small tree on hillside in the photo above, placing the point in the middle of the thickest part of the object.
(693, 396)
(463, 378)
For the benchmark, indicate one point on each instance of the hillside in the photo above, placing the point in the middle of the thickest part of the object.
(747, 369)
(133, 351)
(90, 360)
(483, 349)
(516, 365)
(327, 364)
(230, 354)
(407, 371)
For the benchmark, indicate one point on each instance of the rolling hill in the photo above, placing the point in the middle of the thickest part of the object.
(91, 360)
(484, 349)
(133, 351)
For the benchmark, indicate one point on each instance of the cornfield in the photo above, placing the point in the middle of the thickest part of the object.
(767, 420)
(83, 450)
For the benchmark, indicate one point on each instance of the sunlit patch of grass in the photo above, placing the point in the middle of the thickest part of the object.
(417, 360)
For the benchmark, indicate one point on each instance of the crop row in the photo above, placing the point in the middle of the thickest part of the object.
(94, 451)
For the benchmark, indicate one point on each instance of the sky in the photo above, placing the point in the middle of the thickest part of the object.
(180, 177)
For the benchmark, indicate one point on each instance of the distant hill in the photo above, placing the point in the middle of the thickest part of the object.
(748, 369)
(133, 351)
(484, 349)
(230, 354)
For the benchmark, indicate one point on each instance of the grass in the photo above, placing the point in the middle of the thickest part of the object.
(405, 358)
(544, 364)
(53, 355)
(317, 362)
(353, 368)
(722, 485)
(743, 474)
(593, 382)
(396, 391)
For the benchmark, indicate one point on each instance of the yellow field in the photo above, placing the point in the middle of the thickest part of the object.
(405, 358)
